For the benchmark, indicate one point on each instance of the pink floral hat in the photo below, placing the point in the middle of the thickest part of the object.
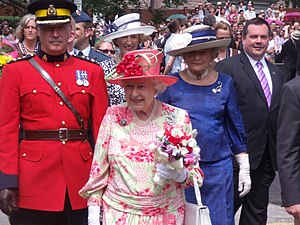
(141, 64)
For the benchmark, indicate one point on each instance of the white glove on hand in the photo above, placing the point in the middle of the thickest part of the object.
(94, 215)
(171, 174)
(244, 174)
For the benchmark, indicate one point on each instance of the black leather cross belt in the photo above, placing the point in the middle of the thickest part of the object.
(63, 134)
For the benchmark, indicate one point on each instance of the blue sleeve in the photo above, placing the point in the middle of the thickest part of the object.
(164, 97)
(234, 126)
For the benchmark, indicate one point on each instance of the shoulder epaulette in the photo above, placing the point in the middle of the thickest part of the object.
(85, 58)
(26, 57)
(97, 50)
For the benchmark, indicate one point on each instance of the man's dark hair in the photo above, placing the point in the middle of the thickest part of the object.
(255, 21)
(209, 20)
(176, 23)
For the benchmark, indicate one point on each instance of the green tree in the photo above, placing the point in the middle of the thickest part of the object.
(107, 8)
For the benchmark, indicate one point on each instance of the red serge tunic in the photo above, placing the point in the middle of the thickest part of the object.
(44, 170)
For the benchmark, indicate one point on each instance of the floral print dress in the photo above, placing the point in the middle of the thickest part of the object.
(121, 176)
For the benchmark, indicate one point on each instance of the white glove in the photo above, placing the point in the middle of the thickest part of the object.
(94, 215)
(171, 174)
(244, 174)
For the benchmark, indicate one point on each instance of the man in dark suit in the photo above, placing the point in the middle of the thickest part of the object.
(259, 105)
(288, 147)
(83, 33)
(288, 55)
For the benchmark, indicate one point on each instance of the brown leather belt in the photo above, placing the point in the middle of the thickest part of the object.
(63, 134)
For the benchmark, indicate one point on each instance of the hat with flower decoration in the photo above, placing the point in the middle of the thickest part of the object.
(195, 38)
(141, 64)
(52, 11)
(129, 24)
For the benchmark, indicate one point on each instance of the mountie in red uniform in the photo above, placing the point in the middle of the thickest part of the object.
(45, 170)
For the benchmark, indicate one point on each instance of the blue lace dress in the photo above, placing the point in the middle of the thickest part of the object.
(214, 112)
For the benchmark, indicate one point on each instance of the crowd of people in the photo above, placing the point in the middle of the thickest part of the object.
(84, 108)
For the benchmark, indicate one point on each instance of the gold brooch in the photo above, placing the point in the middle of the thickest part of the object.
(51, 11)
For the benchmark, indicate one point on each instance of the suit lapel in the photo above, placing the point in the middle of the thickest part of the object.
(277, 82)
(248, 69)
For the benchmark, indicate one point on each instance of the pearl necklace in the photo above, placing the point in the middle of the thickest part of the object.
(25, 48)
(144, 131)
(149, 119)
(197, 77)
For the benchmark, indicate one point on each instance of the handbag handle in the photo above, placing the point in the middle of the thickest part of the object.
(197, 192)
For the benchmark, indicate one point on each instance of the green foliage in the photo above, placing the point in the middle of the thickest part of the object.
(12, 20)
(172, 3)
(158, 16)
(110, 8)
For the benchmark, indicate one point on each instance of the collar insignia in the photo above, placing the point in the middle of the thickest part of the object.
(44, 58)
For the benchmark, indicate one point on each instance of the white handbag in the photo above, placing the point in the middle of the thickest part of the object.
(196, 214)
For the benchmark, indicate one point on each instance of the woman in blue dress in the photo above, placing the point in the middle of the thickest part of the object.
(210, 99)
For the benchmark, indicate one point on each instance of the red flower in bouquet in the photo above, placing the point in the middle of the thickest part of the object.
(176, 148)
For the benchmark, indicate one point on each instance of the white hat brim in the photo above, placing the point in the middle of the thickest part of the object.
(221, 43)
(147, 30)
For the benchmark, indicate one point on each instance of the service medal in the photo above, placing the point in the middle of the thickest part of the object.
(86, 83)
(81, 76)
(79, 82)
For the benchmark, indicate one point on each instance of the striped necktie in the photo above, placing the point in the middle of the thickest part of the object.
(264, 83)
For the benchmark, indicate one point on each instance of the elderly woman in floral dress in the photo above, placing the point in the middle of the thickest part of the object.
(128, 178)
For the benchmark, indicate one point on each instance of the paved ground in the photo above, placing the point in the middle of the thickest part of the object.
(277, 215)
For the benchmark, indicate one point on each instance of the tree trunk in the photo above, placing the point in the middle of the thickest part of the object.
(19, 5)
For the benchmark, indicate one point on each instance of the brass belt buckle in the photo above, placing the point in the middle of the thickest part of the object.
(63, 134)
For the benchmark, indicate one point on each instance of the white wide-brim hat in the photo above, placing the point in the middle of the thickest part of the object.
(195, 38)
(128, 25)
(295, 35)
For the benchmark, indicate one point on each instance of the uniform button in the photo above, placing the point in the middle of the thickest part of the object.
(61, 103)
(63, 123)
(83, 91)
(59, 84)
(57, 65)
(34, 91)
(63, 142)
(91, 153)
(24, 154)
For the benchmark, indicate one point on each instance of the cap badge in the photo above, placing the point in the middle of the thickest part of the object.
(51, 11)
(78, 12)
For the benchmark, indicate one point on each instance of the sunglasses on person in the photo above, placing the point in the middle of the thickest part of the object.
(105, 51)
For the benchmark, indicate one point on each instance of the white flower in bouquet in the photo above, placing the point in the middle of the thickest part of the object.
(176, 149)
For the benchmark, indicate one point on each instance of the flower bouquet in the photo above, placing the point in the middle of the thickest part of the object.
(175, 148)
(3, 60)
(7, 53)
